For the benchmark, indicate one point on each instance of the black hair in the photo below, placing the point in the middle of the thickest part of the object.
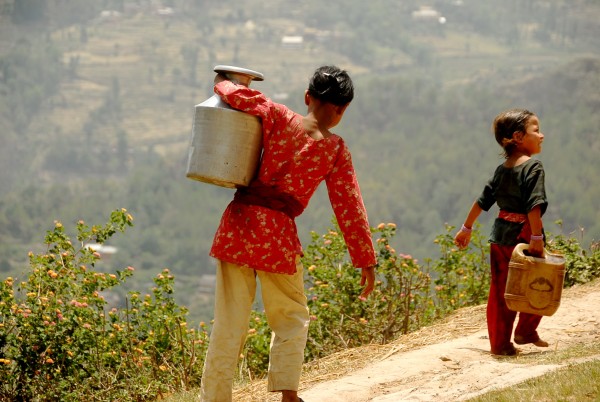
(331, 84)
(506, 124)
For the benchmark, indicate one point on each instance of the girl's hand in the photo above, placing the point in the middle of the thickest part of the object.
(368, 279)
(219, 78)
(536, 248)
(462, 239)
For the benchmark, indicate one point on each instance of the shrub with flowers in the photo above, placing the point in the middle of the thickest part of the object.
(59, 342)
(462, 276)
(400, 302)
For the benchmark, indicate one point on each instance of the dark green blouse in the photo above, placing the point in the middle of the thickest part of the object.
(517, 189)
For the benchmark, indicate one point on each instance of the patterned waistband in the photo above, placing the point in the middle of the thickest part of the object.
(514, 217)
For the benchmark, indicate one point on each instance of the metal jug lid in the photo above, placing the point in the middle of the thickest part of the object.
(223, 69)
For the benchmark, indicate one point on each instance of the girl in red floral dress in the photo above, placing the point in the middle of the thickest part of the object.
(257, 236)
(519, 190)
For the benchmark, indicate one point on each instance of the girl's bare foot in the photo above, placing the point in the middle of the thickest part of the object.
(519, 340)
(290, 396)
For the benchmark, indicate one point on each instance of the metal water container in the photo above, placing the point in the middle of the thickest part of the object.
(226, 144)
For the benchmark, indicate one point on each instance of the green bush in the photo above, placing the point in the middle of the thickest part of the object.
(462, 276)
(59, 342)
(581, 266)
(400, 302)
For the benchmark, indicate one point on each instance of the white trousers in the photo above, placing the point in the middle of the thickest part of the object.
(287, 314)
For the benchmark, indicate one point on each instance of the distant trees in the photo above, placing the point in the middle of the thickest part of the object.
(30, 73)
(26, 11)
(37, 13)
(189, 53)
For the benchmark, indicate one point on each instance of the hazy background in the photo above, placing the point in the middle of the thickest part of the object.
(97, 100)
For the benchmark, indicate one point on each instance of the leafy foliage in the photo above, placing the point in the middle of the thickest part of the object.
(59, 342)
(581, 265)
(463, 275)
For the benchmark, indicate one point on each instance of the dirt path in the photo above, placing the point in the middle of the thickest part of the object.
(446, 362)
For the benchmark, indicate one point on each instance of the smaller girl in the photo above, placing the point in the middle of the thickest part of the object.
(517, 186)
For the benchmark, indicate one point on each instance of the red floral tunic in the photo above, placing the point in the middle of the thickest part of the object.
(295, 164)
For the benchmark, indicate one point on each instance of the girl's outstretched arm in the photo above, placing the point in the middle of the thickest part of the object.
(463, 236)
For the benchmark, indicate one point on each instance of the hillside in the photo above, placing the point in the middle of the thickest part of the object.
(449, 361)
(97, 102)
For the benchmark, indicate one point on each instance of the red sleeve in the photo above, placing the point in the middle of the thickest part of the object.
(252, 102)
(245, 99)
(347, 203)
